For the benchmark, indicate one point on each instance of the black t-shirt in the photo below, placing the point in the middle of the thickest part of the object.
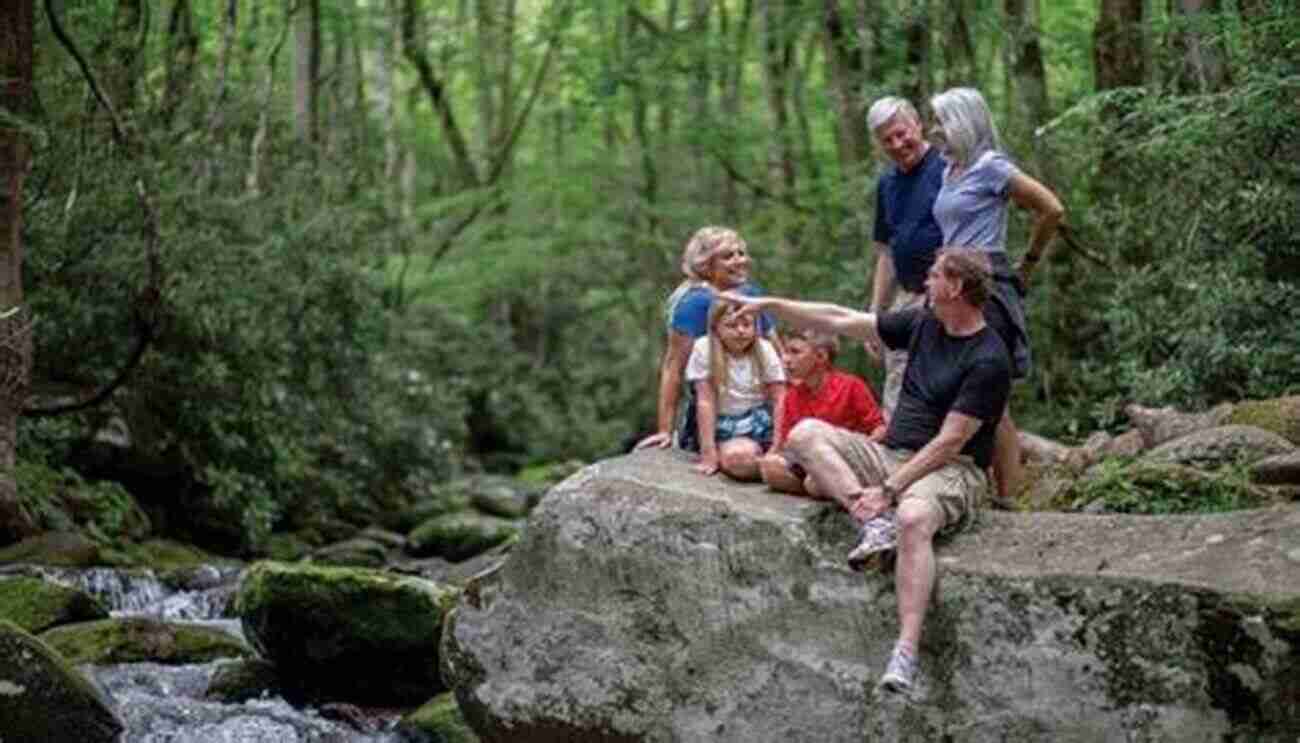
(969, 375)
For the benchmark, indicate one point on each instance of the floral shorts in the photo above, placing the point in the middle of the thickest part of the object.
(755, 423)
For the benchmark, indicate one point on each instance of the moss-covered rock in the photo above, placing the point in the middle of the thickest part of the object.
(37, 605)
(64, 549)
(44, 698)
(459, 536)
(142, 640)
(346, 633)
(241, 680)
(437, 721)
(1280, 415)
(356, 552)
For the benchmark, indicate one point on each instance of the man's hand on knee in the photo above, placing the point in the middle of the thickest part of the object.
(871, 502)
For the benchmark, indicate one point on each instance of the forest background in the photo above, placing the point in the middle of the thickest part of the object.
(307, 255)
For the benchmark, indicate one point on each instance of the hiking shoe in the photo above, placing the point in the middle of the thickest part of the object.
(878, 535)
(900, 673)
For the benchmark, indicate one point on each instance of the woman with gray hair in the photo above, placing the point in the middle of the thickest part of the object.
(715, 259)
(979, 185)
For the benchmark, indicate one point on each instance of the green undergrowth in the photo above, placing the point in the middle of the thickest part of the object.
(1126, 485)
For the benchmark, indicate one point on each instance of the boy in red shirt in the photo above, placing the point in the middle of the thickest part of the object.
(821, 391)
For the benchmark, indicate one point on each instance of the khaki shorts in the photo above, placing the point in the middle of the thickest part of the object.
(954, 489)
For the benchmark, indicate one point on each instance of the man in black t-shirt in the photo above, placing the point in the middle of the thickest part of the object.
(928, 475)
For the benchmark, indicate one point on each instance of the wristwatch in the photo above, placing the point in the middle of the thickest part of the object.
(890, 492)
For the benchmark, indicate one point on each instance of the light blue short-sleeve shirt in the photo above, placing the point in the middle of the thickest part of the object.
(971, 209)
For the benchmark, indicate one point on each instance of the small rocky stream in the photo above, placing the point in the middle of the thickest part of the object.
(165, 703)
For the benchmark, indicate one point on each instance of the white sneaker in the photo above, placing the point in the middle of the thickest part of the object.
(879, 534)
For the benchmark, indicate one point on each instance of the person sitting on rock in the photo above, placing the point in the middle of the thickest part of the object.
(929, 473)
(739, 390)
(821, 391)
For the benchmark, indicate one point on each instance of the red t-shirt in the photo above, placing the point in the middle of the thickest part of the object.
(843, 400)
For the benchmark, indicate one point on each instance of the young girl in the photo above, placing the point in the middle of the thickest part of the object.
(739, 381)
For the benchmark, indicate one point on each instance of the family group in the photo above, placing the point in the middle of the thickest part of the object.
(945, 317)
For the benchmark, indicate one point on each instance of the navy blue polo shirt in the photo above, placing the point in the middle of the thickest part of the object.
(905, 218)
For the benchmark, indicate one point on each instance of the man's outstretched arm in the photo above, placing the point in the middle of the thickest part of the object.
(819, 315)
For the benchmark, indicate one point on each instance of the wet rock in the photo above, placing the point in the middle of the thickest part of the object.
(140, 639)
(241, 680)
(346, 634)
(437, 721)
(44, 698)
(1215, 447)
(37, 605)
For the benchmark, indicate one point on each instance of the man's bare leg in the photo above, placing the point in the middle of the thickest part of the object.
(831, 475)
(918, 521)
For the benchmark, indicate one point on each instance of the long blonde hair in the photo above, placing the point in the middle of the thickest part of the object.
(696, 254)
(719, 357)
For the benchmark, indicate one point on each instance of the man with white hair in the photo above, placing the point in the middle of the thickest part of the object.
(906, 234)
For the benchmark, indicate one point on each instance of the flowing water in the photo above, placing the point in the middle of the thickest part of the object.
(165, 704)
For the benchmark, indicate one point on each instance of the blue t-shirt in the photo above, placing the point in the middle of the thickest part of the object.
(905, 218)
(972, 208)
(691, 315)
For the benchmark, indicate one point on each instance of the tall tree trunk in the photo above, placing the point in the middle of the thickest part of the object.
(845, 61)
(1118, 59)
(120, 79)
(182, 50)
(701, 90)
(16, 33)
(1201, 60)
(732, 81)
(960, 68)
(437, 92)
(306, 103)
(778, 61)
(665, 98)
(1029, 78)
(253, 179)
(641, 130)
(918, 85)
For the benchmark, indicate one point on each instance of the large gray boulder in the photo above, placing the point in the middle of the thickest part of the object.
(1214, 447)
(647, 603)
(44, 698)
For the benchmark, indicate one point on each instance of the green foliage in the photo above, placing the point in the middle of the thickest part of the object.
(1191, 295)
(1123, 485)
(61, 500)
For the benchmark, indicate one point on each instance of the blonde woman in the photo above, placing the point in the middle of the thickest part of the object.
(715, 259)
(740, 390)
